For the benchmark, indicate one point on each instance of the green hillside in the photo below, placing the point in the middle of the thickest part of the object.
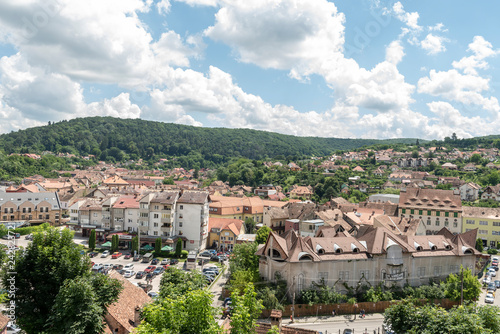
(136, 138)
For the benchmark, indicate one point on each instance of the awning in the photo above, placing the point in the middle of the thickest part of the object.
(166, 248)
(147, 247)
(106, 244)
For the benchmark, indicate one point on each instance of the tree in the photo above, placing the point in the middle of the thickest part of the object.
(170, 181)
(475, 158)
(244, 258)
(262, 234)
(157, 246)
(176, 282)
(135, 244)
(249, 225)
(81, 304)
(178, 248)
(114, 243)
(246, 310)
(92, 240)
(414, 154)
(471, 289)
(191, 313)
(479, 245)
(41, 269)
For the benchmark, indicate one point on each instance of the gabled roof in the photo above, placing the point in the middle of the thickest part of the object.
(193, 197)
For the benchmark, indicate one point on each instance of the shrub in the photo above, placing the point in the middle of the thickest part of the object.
(492, 251)
(184, 254)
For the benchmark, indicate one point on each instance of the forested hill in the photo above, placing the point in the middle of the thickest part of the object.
(139, 138)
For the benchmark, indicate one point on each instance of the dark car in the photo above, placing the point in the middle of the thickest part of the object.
(150, 275)
(155, 261)
(173, 261)
(92, 254)
(117, 266)
(128, 256)
(214, 258)
(139, 275)
(158, 271)
(209, 278)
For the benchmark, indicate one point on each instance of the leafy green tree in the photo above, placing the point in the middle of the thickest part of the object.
(157, 246)
(41, 269)
(178, 248)
(246, 310)
(92, 240)
(475, 158)
(479, 245)
(244, 258)
(169, 180)
(114, 243)
(135, 244)
(471, 289)
(189, 313)
(81, 304)
(262, 234)
(176, 282)
(249, 225)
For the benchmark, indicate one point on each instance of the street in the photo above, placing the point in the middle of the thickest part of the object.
(339, 323)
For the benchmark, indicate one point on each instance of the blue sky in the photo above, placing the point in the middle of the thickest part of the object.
(365, 69)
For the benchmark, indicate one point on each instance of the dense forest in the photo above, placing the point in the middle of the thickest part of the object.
(118, 139)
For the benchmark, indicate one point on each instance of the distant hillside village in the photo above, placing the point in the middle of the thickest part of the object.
(412, 208)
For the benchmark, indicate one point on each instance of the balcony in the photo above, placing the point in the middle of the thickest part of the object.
(166, 225)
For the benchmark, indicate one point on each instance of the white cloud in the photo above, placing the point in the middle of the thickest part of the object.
(210, 3)
(433, 44)
(163, 7)
(394, 53)
(481, 49)
(410, 19)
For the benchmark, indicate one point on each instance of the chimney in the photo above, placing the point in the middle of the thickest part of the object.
(137, 316)
(276, 319)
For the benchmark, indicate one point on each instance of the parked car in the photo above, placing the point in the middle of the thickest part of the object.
(164, 262)
(213, 268)
(116, 255)
(203, 261)
(92, 254)
(129, 273)
(137, 257)
(154, 261)
(492, 287)
(497, 284)
(108, 265)
(139, 275)
(129, 266)
(486, 279)
(173, 262)
(158, 271)
(166, 266)
(128, 256)
(150, 275)
(490, 298)
(153, 295)
(29, 237)
(105, 253)
(150, 269)
(145, 287)
(492, 272)
(205, 254)
(97, 267)
(118, 267)
(209, 278)
(17, 235)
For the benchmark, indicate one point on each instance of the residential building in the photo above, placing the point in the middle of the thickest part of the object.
(491, 192)
(192, 213)
(125, 214)
(224, 232)
(305, 192)
(309, 228)
(34, 208)
(469, 191)
(265, 190)
(486, 220)
(437, 208)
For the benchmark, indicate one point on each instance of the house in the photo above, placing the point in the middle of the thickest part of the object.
(224, 232)
(124, 315)
(358, 169)
(469, 191)
(470, 167)
(375, 255)
(436, 207)
(491, 192)
(34, 208)
(449, 165)
(265, 190)
(301, 192)
(294, 167)
(487, 221)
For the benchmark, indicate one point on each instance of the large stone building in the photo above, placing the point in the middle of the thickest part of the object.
(437, 208)
(375, 255)
(30, 207)
(487, 221)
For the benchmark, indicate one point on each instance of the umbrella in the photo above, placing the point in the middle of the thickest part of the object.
(166, 248)
(106, 244)
(147, 247)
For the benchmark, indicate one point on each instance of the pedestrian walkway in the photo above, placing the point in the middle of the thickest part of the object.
(337, 318)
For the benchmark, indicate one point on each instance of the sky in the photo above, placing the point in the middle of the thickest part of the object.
(347, 69)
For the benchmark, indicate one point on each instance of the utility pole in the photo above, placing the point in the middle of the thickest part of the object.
(293, 300)
(461, 285)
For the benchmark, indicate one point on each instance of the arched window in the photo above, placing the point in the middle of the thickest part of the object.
(300, 282)
(419, 248)
(338, 250)
(321, 251)
(434, 248)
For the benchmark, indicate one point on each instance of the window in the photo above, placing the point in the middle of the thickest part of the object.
(482, 222)
(437, 222)
(156, 215)
(495, 233)
(454, 268)
(438, 213)
(493, 244)
(180, 224)
(403, 210)
(144, 215)
(455, 224)
(46, 216)
(155, 233)
(300, 282)
(446, 222)
(180, 216)
(181, 207)
(483, 231)
(438, 270)
(470, 222)
(310, 227)
(95, 214)
(421, 271)
(155, 224)
(496, 223)
(412, 211)
(157, 207)
(446, 214)
(429, 212)
(455, 214)
(365, 274)
(420, 212)
(343, 275)
(428, 221)
(323, 276)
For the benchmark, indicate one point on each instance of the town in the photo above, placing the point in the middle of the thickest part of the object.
(387, 218)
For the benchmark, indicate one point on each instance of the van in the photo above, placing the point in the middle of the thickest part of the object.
(147, 257)
(191, 260)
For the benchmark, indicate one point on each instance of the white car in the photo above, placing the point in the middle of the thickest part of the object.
(487, 279)
(492, 272)
(129, 266)
(165, 261)
(105, 253)
(129, 273)
(108, 266)
(490, 298)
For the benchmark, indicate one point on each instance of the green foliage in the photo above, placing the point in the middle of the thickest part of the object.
(249, 225)
(246, 310)
(169, 180)
(176, 282)
(244, 258)
(240, 278)
(114, 242)
(24, 230)
(471, 289)
(493, 251)
(158, 247)
(189, 313)
(135, 244)
(479, 245)
(92, 239)
(178, 248)
(262, 234)
(408, 316)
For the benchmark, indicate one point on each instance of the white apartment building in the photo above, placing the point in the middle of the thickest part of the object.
(192, 218)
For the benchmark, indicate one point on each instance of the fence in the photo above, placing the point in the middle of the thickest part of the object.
(304, 310)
